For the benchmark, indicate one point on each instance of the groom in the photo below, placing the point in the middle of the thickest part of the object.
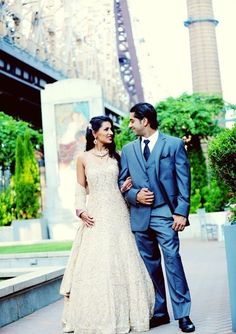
(159, 208)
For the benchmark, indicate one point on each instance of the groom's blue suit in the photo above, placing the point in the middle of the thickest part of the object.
(166, 173)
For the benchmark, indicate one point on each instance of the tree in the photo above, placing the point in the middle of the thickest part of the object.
(10, 129)
(193, 118)
(26, 180)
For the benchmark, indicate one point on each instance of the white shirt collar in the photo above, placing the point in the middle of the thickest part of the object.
(153, 139)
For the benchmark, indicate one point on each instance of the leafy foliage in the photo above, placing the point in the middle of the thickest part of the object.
(198, 169)
(215, 196)
(195, 201)
(190, 116)
(222, 155)
(124, 135)
(7, 205)
(26, 180)
(10, 129)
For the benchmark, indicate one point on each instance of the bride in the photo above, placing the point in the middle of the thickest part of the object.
(106, 286)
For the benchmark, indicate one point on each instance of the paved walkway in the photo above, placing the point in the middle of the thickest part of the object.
(205, 269)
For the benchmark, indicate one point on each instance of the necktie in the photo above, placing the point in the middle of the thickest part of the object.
(146, 151)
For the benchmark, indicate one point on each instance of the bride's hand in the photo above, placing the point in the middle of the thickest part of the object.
(126, 185)
(87, 219)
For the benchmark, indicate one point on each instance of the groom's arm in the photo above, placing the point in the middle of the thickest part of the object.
(131, 194)
(183, 180)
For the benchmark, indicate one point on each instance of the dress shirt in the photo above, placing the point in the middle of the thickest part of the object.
(153, 139)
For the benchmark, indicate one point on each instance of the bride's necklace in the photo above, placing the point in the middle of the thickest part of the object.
(100, 154)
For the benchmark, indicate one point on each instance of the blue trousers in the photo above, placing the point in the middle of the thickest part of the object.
(161, 235)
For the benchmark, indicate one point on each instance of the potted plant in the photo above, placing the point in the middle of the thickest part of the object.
(222, 156)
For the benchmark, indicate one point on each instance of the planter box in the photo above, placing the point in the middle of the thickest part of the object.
(26, 293)
(6, 233)
(230, 248)
(29, 230)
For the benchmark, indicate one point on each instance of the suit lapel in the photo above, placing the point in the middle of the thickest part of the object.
(157, 150)
(139, 154)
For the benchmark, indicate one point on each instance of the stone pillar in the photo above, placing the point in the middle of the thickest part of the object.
(203, 47)
(67, 107)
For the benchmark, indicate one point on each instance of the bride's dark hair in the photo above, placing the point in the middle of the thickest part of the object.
(94, 125)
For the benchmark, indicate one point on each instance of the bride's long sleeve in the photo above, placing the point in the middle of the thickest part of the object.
(80, 199)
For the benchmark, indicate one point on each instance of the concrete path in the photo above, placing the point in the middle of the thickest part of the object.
(205, 268)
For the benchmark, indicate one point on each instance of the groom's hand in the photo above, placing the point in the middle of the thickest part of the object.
(145, 196)
(179, 223)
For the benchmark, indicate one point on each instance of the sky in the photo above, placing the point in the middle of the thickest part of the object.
(168, 41)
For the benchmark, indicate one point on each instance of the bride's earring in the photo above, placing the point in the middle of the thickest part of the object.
(95, 141)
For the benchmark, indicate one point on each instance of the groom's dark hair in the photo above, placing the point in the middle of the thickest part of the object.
(146, 110)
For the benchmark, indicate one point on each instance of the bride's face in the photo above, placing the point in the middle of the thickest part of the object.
(105, 134)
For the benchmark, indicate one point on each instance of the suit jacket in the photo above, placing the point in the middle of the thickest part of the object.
(171, 171)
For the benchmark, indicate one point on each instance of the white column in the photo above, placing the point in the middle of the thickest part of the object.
(67, 106)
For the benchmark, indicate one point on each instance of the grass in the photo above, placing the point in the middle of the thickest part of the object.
(37, 247)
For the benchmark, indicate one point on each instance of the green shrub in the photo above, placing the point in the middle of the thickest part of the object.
(10, 129)
(215, 196)
(124, 135)
(195, 201)
(26, 180)
(222, 156)
(198, 170)
(7, 206)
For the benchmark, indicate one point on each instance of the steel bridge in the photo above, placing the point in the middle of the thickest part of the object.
(42, 41)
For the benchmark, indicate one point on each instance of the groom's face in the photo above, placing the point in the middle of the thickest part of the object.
(137, 125)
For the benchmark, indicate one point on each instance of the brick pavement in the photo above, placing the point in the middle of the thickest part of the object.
(205, 268)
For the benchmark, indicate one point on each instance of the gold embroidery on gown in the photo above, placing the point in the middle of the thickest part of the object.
(108, 285)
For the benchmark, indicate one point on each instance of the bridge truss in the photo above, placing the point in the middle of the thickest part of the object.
(86, 39)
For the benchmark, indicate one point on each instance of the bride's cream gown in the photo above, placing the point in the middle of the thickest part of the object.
(108, 286)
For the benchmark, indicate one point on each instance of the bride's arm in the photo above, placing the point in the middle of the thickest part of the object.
(80, 193)
(80, 170)
(126, 185)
